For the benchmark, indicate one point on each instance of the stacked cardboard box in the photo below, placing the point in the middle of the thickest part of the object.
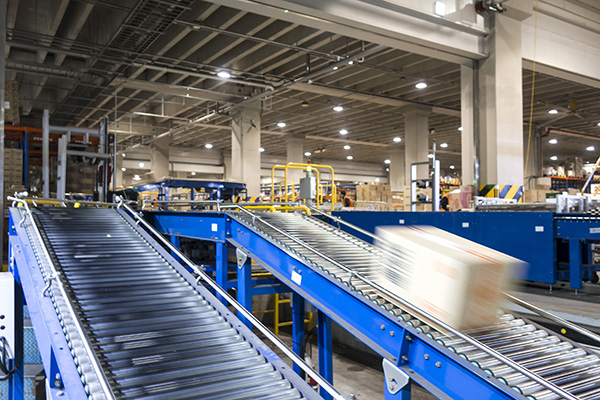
(11, 97)
(539, 195)
(13, 167)
(461, 198)
(80, 178)
(378, 192)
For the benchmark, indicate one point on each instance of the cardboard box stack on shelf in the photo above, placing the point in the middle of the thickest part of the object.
(13, 170)
(420, 193)
(377, 192)
(80, 178)
(542, 192)
(11, 99)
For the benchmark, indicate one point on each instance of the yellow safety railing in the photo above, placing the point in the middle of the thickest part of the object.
(276, 323)
(285, 167)
(309, 167)
(304, 167)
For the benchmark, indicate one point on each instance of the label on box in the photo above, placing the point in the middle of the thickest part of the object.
(540, 229)
(214, 227)
(465, 224)
(296, 278)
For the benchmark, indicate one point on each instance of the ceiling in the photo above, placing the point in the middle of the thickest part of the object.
(152, 64)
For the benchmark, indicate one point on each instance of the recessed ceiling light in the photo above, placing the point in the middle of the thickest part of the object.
(554, 158)
(349, 157)
(388, 161)
(124, 155)
(397, 139)
(123, 169)
(377, 180)
(281, 124)
(452, 167)
(590, 148)
(141, 164)
(343, 131)
(460, 128)
(444, 145)
(439, 8)
(421, 85)
(598, 124)
(351, 62)
(261, 149)
(304, 103)
(224, 74)
(429, 155)
(308, 154)
(193, 173)
(387, 169)
(552, 141)
(335, 68)
(136, 178)
(208, 146)
(553, 112)
(346, 147)
(338, 108)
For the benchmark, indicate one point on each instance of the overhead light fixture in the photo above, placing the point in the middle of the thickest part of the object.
(208, 146)
(338, 108)
(553, 112)
(351, 62)
(444, 145)
(304, 103)
(335, 68)
(136, 178)
(460, 128)
(397, 139)
(346, 147)
(590, 148)
(343, 131)
(439, 8)
(123, 169)
(452, 167)
(224, 74)
(598, 124)
(554, 158)
(141, 164)
(308, 154)
(429, 155)
(387, 169)
(261, 149)
(421, 85)
(377, 180)
(124, 155)
(552, 141)
(193, 173)
(388, 161)
(281, 124)
(349, 157)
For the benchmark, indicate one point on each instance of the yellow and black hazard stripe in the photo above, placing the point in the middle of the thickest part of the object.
(511, 192)
(487, 191)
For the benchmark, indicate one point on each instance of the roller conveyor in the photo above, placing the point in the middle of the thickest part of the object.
(150, 331)
(552, 358)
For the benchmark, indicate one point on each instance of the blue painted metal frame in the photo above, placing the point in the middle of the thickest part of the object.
(233, 187)
(384, 333)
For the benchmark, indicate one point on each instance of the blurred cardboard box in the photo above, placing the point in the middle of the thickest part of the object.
(460, 198)
(455, 280)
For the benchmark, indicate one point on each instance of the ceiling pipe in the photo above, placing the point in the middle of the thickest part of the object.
(566, 132)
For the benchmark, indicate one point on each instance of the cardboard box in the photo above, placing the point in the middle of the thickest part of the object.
(455, 280)
(460, 198)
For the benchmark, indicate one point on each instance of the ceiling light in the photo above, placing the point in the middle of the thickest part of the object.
(598, 123)
(460, 128)
(141, 164)
(346, 147)
(261, 149)
(224, 74)
(124, 155)
(590, 148)
(281, 124)
(553, 112)
(349, 157)
(444, 145)
(338, 108)
(421, 85)
(304, 103)
(208, 146)
(452, 167)
(387, 169)
(123, 169)
(308, 154)
(343, 131)
(335, 68)
(377, 180)
(429, 155)
(351, 62)
(388, 161)
(193, 173)
(552, 141)
(397, 139)
(554, 158)
(136, 178)
(439, 8)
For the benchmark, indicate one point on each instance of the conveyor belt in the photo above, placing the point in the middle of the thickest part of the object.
(551, 357)
(154, 335)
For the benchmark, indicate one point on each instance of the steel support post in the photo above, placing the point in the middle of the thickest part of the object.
(244, 287)
(402, 394)
(325, 351)
(575, 264)
(221, 267)
(176, 241)
(297, 327)
(26, 159)
(16, 384)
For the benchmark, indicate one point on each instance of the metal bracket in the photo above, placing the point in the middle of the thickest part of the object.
(395, 378)
(47, 287)
(241, 258)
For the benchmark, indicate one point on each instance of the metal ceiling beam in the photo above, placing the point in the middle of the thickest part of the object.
(176, 90)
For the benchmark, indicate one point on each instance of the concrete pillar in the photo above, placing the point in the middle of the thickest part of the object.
(468, 110)
(416, 139)
(227, 166)
(397, 170)
(295, 153)
(245, 142)
(159, 156)
(501, 104)
(119, 172)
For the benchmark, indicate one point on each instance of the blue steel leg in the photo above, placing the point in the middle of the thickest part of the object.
(244, 290)
(575, 264)
(177, 243)
(403, 394)
(297, 327)
(221, 268)
(16, 384)
(325, 352)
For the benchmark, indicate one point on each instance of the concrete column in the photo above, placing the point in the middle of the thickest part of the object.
(467, 106)
(397, 169)
(295, 153)
(245, 142)
(119, 172)
(159, 156)
(501, 104)
(227, 166)
(416, 139)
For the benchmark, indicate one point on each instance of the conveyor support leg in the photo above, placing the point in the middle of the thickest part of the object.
(325, 352)
(403, 394)
(221, 267)
(297, 327)
(244, 288)
(16, 384)
(575, 264)
(175, 241)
